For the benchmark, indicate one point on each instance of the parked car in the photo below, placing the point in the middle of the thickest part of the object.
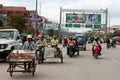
(9, 40)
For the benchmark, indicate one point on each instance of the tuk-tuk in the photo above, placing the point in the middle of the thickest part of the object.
(81, 41)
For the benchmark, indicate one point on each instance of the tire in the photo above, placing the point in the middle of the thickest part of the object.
(11, 74)
(33, 71)
(70, 53)
(40, 60)
(77, 53)
(96, 56)
(85, 49)
(61, 57)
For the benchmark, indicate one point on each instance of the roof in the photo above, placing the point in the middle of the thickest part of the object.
(12, 8)
(8, 30)
(115, 26)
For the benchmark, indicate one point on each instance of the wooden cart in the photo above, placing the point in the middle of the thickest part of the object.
(19, 59)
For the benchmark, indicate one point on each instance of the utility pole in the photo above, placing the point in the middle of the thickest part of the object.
(36, 21)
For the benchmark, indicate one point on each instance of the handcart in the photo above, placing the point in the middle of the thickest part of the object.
(50, 53)
(19, 59)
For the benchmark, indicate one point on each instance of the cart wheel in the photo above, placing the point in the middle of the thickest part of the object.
(11, 74)
(61, 57)
(33, 73)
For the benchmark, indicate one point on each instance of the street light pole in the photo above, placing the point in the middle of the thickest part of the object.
(36, 21)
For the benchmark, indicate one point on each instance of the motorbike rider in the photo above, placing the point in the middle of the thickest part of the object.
(71, 41)
(95, 43)
(113, 42)
(65, 41)
(76, 45)
(41, 47)
(54, 41)
(54, 44)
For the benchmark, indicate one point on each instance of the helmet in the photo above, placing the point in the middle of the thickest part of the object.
(29, 36)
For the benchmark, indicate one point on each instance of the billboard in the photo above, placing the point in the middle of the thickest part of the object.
(75, 18)
(93, 18)
(83, 18)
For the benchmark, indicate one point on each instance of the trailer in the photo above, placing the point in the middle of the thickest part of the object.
(19, 60)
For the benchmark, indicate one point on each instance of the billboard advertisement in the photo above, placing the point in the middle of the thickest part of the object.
(83, 18)
(93, 18)
(75, 18)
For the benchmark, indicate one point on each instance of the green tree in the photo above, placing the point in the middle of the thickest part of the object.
(50, 32)
(116, 33)
(17, 21)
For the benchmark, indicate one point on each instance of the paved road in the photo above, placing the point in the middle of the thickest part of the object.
(83, 67)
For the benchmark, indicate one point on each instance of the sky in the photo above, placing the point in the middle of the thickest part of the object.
(51, 8)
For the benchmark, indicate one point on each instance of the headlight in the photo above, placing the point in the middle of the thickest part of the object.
(3, 46)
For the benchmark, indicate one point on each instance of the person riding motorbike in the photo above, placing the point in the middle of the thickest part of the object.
(110, 42)
(65, 41)
(71, 42)
(113, 43)
(54, 41)
(54, 44)
(41, 47)
(96, 45)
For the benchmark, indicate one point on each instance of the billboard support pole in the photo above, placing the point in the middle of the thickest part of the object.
(106, 21)
(60, 22)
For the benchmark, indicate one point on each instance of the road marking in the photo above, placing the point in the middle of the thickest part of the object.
(115, 60)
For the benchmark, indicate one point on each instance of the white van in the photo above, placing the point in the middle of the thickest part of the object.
(9, 40)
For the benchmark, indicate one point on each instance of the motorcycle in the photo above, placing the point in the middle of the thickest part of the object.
(58, 51)
(111, 45)
(65, 44)
(96, 51)
(72, 50)
(41, 53)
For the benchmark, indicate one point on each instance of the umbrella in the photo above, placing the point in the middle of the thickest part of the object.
(116, 38)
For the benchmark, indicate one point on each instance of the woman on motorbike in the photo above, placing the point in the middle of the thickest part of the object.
(96, 44)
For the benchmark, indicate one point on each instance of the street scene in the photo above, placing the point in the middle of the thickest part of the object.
(59, 40)
(84, 67)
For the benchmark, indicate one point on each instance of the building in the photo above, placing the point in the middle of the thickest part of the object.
(114, 28)
(5, 11)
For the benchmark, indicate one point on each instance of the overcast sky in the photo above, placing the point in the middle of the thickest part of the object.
(51, 8)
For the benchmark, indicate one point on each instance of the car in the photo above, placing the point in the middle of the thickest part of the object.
(9, 40)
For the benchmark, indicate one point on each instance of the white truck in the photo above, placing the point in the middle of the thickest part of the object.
(9, 40)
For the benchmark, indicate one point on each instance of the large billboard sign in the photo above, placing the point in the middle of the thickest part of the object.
(93, 18)
(75, 18)
(83, 18)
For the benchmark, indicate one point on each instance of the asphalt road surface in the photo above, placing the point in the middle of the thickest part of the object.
(82, 67)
